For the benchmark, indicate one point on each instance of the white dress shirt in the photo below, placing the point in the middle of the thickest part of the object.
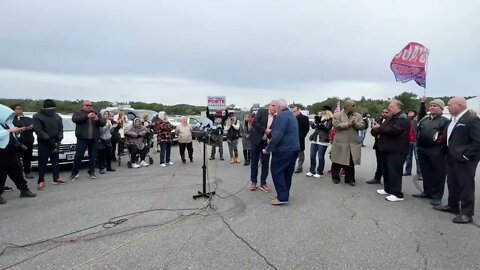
(452, 124)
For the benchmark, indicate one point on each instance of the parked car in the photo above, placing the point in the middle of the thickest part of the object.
(68, 146)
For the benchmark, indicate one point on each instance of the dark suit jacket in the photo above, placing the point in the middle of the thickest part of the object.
(303, 128)
(464, 142)
(259, 126)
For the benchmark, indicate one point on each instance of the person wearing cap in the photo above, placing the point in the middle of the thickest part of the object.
(219, 123)
(48, 126)
(431, 131)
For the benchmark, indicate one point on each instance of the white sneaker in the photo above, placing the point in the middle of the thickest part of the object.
(309, 174)
(163, 165)
(393, 198)
(170, 163)
(317, 175)
(143, 164)
(382, 192)
(135, 166)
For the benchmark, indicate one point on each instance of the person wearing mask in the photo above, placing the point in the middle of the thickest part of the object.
(184, 133)
(135, 138)
(320, 141)
(303, 129)
(462, 150)
(164, 135)
(245, 130)
(346, 147)
(25, 138)
(11, 165)
(430, 136)
(105, 145)
(48, 126)
(393, 144)
(259, 136)
(233, 134)
(219, 123)
(284, 147)
(87, 131)
(378, 172)
(412, 152)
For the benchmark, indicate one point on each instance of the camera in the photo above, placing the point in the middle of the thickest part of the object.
(208, 135)
(56, 148)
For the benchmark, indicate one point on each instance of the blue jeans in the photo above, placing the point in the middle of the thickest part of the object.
(408, 163)
(320, 150)
(282, 167)
(82, 146)
(363, 133)
(255, 156)
(165, 152)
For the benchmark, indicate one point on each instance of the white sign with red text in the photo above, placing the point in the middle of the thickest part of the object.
(216, 102)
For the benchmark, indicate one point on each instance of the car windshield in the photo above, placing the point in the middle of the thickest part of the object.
(68, 124)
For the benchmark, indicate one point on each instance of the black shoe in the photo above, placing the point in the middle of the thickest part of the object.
(351, 183)
(374, 181)
(7, 189)
(102, 171)
(446, 208)
(422, 196)
(298, 170)
(29, 176)
(435, 202)
(92, 176)
(419, 177)
(406, 174)
(221, 158)
(184, 161)
(211, 158)
(27, 194)
(336, 180)
(114, 159)
(110, 170)
(191, 160)
(462, 219)
(2, 200)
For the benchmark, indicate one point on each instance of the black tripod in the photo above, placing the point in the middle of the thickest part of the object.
(204, 192)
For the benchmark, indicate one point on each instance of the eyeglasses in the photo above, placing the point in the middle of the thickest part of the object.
(88, 105)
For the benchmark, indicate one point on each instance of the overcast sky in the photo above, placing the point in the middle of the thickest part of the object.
(250, 51)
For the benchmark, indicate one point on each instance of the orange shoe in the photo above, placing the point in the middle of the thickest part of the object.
(59, 181)
(41, 185)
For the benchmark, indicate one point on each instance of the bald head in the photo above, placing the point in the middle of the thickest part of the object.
(457, 105)
(349, 106)
(87, 105)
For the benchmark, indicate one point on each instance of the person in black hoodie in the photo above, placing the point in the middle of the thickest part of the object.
(393, 143)
(378, 172)
(25, 138)
(48, 126)
(303, 129)
(219, 123)
(87, 132)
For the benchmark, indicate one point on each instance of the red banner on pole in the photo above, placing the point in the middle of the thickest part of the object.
(411, 64)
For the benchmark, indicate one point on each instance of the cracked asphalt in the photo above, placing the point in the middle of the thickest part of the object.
(325, 226)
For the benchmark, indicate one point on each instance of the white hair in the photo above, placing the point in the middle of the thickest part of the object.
(282, 103)
(162, 115)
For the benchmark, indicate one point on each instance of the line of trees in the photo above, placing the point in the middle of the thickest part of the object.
(370, 106)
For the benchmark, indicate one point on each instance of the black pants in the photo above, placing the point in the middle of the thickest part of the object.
(392, 170)
(434, 172)
(378, 172)
(82, 146)
(461, 185)
(256, 155)
(11, 166)
(114, 147)
(349, 171)
(45, 152)
(189, 147)
(104, 158)
(134, 152)
(26, 156)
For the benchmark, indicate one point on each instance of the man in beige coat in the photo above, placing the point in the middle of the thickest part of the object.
(346, 146)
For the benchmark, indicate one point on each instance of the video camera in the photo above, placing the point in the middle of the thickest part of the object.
(210, 135)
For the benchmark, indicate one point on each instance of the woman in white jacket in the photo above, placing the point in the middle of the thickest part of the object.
(184, 133)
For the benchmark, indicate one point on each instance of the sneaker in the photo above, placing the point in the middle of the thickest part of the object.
(27, 194)
(59, 181)
(2, 200)
(5, 189)
(92, 176)
(170, 163)
(102, 171)
(382, 192)
(309, 174)
(419, 177)
(110, 170)
(253, 187)
(393, 198)
(163, 165)
(232, 160)
(73, 177)
(277, 202)
(221, 158)
(342, 173)
(265, 188)
(211, 158)
(317, 175)
(143, 164)
(373, 181)
(41, 186)
(136, 166)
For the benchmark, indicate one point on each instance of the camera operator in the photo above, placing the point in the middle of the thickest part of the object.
(10, 164)
(25, 139)
(49, 129)
(219, 122)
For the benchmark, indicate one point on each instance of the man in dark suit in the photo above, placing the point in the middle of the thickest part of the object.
(25, 138)
(378, 172)
(303, 128)
(462, 155)
(259, 136)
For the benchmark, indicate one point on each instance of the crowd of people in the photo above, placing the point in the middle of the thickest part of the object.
(273, 140)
